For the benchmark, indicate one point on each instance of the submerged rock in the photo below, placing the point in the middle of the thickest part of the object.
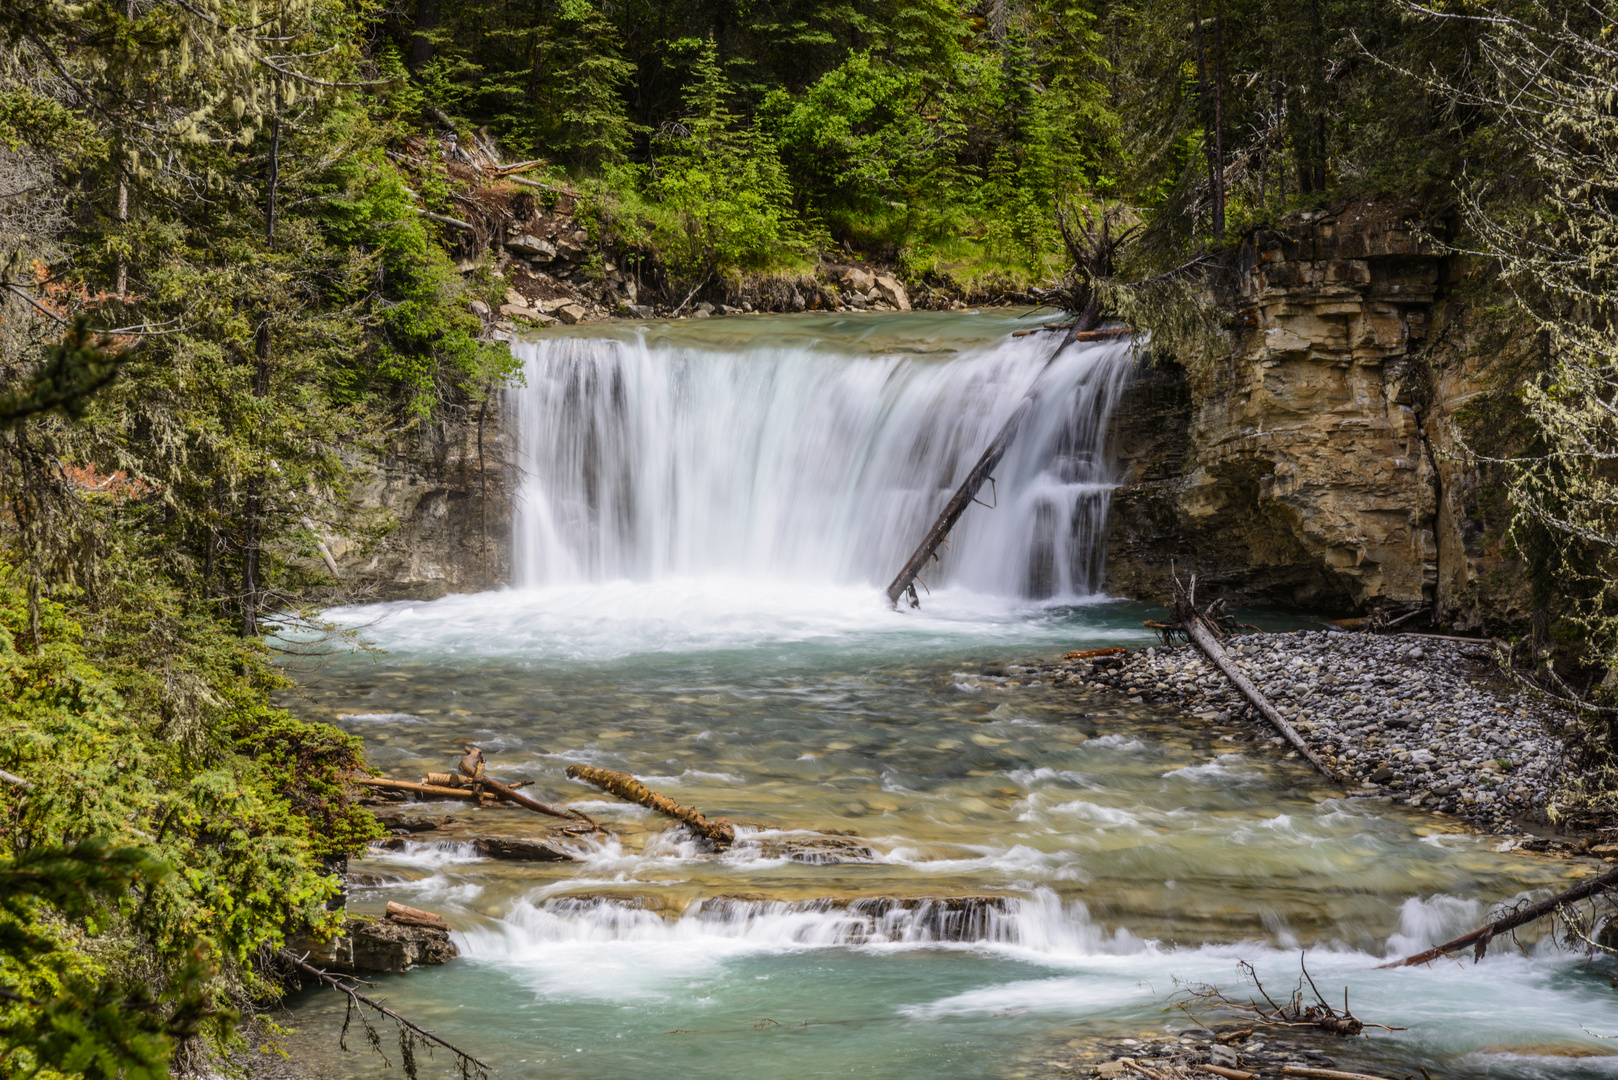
(516, 850)
(814, 850)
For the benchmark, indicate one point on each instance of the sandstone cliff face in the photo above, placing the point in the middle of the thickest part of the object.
(431, 513)
(1313, 468)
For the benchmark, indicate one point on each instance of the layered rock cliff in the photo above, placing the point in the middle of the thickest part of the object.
(430, 512)
(1318, 465)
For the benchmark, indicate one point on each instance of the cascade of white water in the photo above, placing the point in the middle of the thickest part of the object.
(644, 460)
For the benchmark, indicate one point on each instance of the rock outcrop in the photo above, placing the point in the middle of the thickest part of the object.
(430, 514)
(374, 946)
(1309, 468)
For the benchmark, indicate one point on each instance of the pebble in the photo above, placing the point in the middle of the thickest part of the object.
(1418, 722)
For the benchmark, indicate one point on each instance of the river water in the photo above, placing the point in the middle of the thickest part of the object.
(708, 515)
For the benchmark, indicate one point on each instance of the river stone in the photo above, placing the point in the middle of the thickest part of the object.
(570, 314)
(861, 281)
(527, 314)
(540, 251)
(816, 850)
(893, 292)
(410, 822)
(370, 946)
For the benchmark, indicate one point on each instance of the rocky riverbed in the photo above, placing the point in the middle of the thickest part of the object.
(1424, 720)
(1264, 1052)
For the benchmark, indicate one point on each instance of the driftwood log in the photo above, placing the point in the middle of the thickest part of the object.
(410, 916)
(626, 787)
(1204, 639)
(382, 783)
(472, 766)
(1204, 629)
(474, 792)
(1479, 939)
(1325, 1074)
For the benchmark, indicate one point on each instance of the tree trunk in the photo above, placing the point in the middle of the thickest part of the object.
(253, 511)
(1219, 123)
(719, 830)
(1479, 939)
(421, 45)
(1204, 639)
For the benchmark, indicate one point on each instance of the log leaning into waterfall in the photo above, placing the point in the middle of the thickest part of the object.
(1204, 639)
(626, 787)
(906, 581)
(1081, 329)
(1479, 939)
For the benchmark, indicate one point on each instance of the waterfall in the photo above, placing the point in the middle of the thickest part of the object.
(644, 458)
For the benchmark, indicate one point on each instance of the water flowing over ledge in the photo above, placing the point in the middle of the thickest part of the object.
(646, 457)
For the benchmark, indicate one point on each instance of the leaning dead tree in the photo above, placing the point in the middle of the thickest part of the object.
(1204, 629)
(1093, 251)
(1478, 940)
(905, 583)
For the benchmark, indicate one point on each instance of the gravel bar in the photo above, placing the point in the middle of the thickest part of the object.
(1405, 716)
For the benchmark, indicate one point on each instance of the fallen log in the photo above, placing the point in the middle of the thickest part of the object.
(472, 766)
(1479, 939)
(1088, 654)
(1228, 1074)
(1204, 639)
(511, 794)
(382, 783)
(626, 787)
(410, 916)
(1326, 1074)
(442, 220)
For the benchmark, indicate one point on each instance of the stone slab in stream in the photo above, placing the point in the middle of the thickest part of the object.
(368, 946)
(517, 849)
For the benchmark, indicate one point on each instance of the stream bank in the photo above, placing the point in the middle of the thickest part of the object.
(1424, 721)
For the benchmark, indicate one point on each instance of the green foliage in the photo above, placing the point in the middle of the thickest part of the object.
(74, 369)
(153, 728)
(724, 191)
(58, 1013)
(859, 137)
